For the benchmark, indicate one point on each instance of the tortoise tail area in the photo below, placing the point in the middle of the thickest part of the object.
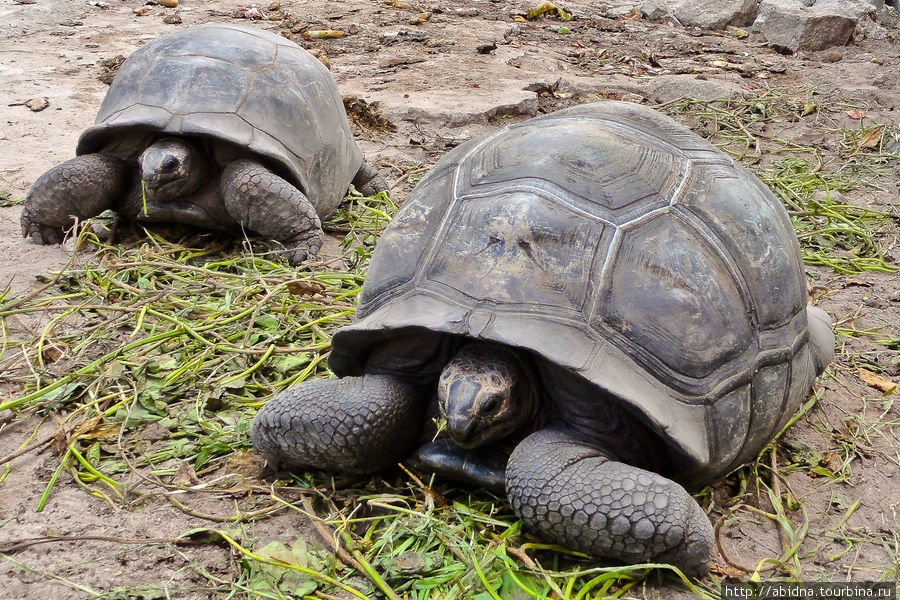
(821, 337)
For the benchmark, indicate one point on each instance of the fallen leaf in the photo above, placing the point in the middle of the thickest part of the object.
(51, 353)
(185, 475)
(37, 104)
(871, 139)
(856, 114)
(305, 288)
(547, 7)
(878, 382)
(322, 33)
(832, 461)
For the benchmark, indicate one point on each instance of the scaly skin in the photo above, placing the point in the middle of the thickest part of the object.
(574, 495)
(368, 182)
(82, 187)
(350, 425)
(262, 202)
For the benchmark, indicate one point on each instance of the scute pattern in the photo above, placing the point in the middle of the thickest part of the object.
(242, 86)
(669, 290)
(610, 175)
(674, 300)
(517, 249)
(772, 272)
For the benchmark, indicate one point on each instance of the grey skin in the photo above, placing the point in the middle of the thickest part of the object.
(495, 438)
(176, 182)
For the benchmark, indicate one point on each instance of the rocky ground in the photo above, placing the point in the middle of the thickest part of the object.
(419, 78)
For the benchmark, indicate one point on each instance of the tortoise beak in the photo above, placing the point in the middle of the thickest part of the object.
(462, 430)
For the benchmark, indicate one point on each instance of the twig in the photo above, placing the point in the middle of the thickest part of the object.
(37, 292)
(11, 546)
(330, 540)
(731, 563)
(776, 488)
(216, 518)
(439, 500)
(25, 450)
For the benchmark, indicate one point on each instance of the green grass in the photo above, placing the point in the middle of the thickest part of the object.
(158, 353)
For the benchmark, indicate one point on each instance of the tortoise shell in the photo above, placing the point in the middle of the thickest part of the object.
(248, 88)
(617, 244)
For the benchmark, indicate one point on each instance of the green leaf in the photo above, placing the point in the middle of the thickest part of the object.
(266, 321)
(286, 363)
(269, 578)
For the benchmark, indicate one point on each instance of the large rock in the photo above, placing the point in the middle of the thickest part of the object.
(715, 14)
(855, 8)
(789, 25)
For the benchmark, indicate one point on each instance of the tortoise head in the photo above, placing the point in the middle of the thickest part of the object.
(480, 394)
(172, 168)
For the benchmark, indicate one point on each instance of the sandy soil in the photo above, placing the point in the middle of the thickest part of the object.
(436, 90)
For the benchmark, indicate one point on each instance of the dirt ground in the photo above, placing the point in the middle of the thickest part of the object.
(435, 88)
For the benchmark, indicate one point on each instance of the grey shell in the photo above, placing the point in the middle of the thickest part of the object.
(613, 242)
(244, 86)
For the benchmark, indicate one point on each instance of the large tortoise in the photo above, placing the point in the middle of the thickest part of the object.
(225, 127)
(599, 304)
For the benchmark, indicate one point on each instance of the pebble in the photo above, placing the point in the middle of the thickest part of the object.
(486, 48)
(831, 56)
(169, 3)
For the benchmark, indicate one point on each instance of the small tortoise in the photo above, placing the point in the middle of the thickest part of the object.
(224, 127)
(599, 304)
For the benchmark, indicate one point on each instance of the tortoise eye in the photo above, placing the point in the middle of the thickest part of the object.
(170, 163)
(490, 404)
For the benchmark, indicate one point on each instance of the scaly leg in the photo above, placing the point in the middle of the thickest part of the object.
(572, 494)
(350, 425)
(368, 182)
(267, 204)
(80, 188)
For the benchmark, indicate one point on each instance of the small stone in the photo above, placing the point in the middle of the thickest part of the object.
(832, 56)
(486, 48)
(169, 3)
(173, 19)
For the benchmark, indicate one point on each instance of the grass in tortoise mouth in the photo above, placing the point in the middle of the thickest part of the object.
(155, 357)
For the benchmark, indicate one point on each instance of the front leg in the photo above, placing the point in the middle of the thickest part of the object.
(572, 494)
(368, 181)
(350, 425)
(80, 188)
(269, 205)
